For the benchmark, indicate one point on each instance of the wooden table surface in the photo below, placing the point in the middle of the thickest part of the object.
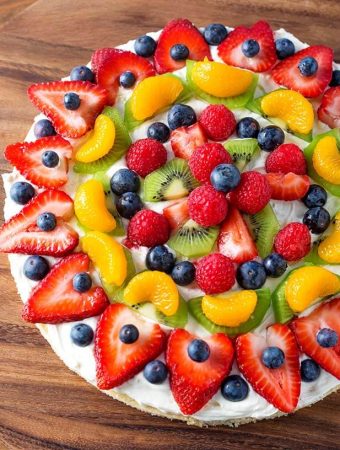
(42, 404)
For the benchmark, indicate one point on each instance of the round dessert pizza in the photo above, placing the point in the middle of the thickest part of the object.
(173, 222)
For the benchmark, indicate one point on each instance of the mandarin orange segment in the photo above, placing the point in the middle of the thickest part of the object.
(326, 159)
(329, 248)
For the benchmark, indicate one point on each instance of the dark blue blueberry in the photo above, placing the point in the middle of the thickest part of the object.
(160, 258)
(145, 46)
(159, 131)
(179, 52)
(124, 180)
(251, 275)
(71, 101)
(181, 115)
(127, 79)
(335, 81)
(21, 192)
(128, 204)
(50, 159)
(82, 282)
(309, 370)
(46, 221)
(82, 334)
(234, 388)
(273, 357)
(44, 128)
(316, 196)
(327, 338)
(284, 48)
(82, 73)
(155, 372)
(198, 350)
(129, 334)
(225, 177)
(250, 48)
(36, 268)
(275, 265)
(308, 66)
(215, 33)
(183, 273)
(269, 138)
(247, 128)
(317, 219)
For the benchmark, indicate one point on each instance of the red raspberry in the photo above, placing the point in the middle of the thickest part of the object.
(252, 194)
(287, 158)
(293, 242)
(218, 122)
(148, 228)
(146, 155)
(205, 158)
(207, 207)
(215, 273)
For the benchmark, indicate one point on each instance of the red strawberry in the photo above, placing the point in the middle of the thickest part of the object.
(287, 72)
(49, 98)
(177, 213)
(21, 235)
(281, 386)
(329, 109)
(26, 158)
(306, 328)
(193, 383)
(179, 31)
(230, 50)
(54, 300)
(235, 240)
(288, 186)
(185, 140)
(116, 361)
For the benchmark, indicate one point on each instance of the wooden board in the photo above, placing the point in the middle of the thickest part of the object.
(42, 404)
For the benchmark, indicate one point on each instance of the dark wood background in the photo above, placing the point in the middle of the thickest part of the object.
(42, 404)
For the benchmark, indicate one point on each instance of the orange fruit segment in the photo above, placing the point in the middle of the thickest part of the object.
(326, 159)
(329, 248)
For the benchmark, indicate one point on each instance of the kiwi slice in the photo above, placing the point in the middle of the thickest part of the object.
(177, 320)
(282, 311)
(262, 305)
(242, 151)
(172, 181)
(192, 240)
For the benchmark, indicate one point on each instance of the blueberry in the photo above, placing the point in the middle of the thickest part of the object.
(327, 338)
(179, 52)
(215, 33)
(275, 265)
(181, 115)
(247, 128)
(183, 273)
(225, 177)
(251, 275)
(308, 66)
(155, 372)
(129, 334)
(160, 258)
(273, 357)
(46, 221)
(44, 128)
(145, 46)
(250, 48)
(50, 159)
(82, 282)
(127, 79)
(82, 334)
(82, 73)
(128, 204)
(198, 350)
(71, 101)
(21, 192)
(317, 219)
(269, 138)
(284, 48)
(124, 180)
(36, 268)
(335, 81)
(309, 370)
(234, 388)
(316, 196)
(158, 131)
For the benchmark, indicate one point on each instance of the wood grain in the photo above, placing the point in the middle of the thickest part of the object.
(42, 404)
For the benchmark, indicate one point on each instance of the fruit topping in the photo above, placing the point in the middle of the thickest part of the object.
(198, 350)
(146, 155)
(128, 334)
(159, 131)
(270, 137)
(145, 46)
(273, 357)
(252, 194)
(284, 48)
(184, 140)
(217, 122)
(329, 248)
(335, 81)
(205, 158)
(287, 158)
(215, 274)
(264, 227)
(160, 258)
(82, 73)
(315, 196)
(124, 180)
(275, 265)
(326, 159)
(183, 273)
(247, 128)
(128, 204)
(148, 228)
(225, 177)
(317, 219)
(207, 206)
(43, 128)
(127, 79)
(179, 52)
(82, 282)
(251, 275)
(287, 186)
(71, 101)
(155, 372)
(181, 115)
(234, 388)
(82, 334)
(309, 370)
(242, 151)
(36, 268)
(177, 213)
(215, 33)
(293, 241)
(329, 109)
(327, 338)
(46, 221)
(21, 192)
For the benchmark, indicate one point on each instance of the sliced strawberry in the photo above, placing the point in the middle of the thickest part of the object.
(288, 186)
(185, 140)
(117, 362)
(329, 109)
(281, 386)
(21, 235)
(179, 31)
(235, 240)
(306, 328)
(193, 383)
(230, 50)
(49, 99)
(287, 72)
(26, 158)
(177, 213)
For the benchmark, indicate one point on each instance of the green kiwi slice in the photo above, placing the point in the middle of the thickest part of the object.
(177, 320)
(242, 151)
(282, 311)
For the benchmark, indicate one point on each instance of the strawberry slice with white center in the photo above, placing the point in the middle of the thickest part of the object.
(184, 140)
(116, 361)
(54, 300)
(26, 157)
(20, 234)
(230, 50)
(177, 213)
(280, 386)
(287, 72)
(329, 109)
(287, 186)
(194, 383)
(49, 99)
(306, 328)
(179, 31)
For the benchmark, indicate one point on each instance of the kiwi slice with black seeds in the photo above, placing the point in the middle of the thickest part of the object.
(177, 320)
(242, 151)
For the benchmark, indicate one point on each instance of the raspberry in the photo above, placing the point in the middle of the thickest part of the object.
(287, 158)
(205, 158)
(215, 273)
(146, 155)
(252, 194)
(217, 122)
(148, 228)
(293, 242)
(207, 207)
